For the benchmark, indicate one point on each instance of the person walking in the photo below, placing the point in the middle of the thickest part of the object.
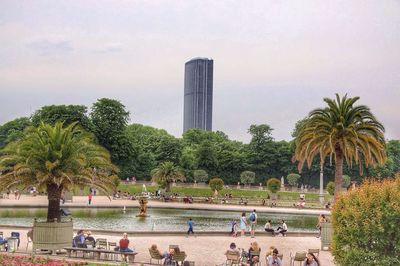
(90, 196)
(243, 223)
(190, 224)
(253, 223)
(321, 220)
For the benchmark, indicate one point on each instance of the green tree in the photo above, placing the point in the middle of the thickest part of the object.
(273, 184)
(346, 181)
(293, 179)
(200, 175)
(216, 184)
(109, 119)
(366, 224)
(67, 114)
(54, 159)
(247, 177)
(330, 187)
(13, 130)
(343, 131)
(167, 173)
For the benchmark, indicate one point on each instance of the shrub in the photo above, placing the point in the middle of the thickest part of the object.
(200, 175)
(247, 177)
(366, 224)
(273, 184)
(216, 184)
(346, 181)
(330, 187)
(292, 179)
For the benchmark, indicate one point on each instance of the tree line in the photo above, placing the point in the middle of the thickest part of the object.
(139, 149)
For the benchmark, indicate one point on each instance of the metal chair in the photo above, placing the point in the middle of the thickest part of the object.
(299, 256)
(155, 255)
(232, 258)
(16, 235)
(255, 254)
(179, 257)
(314, 251)
(280, 256)
(101, 243)
(112, 246)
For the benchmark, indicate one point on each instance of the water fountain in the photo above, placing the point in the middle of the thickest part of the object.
(143, 200)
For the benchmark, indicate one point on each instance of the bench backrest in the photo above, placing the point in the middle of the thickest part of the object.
(181, 256)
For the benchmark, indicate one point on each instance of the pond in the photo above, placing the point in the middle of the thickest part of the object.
(159, 219)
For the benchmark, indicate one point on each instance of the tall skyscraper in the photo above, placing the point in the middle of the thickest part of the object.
(198, 94)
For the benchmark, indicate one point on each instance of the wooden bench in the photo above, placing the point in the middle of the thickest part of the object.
(97, 252)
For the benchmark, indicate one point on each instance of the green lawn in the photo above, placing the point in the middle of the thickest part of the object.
(236, 193)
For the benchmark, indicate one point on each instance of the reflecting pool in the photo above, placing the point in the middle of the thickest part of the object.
(159, 219)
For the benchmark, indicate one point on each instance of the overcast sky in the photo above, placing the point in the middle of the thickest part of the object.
(274, 61)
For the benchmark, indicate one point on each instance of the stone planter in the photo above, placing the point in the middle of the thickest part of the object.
(52, 236)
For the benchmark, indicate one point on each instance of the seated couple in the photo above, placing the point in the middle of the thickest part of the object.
(165, 255)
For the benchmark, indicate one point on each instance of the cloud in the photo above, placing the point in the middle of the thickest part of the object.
(51, 47)
(110, 48)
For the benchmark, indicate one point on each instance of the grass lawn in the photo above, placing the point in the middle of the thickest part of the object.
(236, 193)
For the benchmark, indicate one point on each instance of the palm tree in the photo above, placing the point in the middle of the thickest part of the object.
(343, 132)
(167, 173)
(56, 159)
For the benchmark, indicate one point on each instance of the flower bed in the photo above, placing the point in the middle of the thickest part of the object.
(11, 260)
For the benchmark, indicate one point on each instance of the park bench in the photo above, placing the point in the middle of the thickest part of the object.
(97, 252)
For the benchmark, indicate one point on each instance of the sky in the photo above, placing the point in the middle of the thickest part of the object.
(274, 61)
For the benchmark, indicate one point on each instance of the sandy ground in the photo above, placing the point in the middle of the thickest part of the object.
(204, 250)
(209, 250)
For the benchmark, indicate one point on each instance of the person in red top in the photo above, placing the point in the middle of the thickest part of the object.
(124, 244)
(90, 198)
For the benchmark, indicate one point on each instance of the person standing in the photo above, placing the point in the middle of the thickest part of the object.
(253, 223)
(190, 224)
(90, 196)
(321, 220)
(243, 223)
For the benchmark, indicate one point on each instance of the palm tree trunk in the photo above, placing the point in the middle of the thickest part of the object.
(338, 171)
(168, 187)
(54, 196)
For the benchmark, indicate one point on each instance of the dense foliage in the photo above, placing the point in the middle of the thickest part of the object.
(345, 132)
(216, 184)
(137, 149)
(55, 159)
(330, 187)
(366, 224)
(166, 174)
(273, 184)
(293, 179)
(247, 177)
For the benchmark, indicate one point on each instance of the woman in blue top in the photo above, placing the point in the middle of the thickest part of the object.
(243, 223)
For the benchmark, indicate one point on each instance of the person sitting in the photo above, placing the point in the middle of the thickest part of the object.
(232, 248)
(4, 242)
(79, 240)
(282, 229)
(311, 260)
(253, 259)
(273, 260)
(124, 244)
(90, 238)
(268, 228)
(155, 249)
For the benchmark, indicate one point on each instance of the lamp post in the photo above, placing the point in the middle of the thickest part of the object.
(321, 184)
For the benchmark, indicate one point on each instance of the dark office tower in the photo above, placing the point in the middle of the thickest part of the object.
(198, 94)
